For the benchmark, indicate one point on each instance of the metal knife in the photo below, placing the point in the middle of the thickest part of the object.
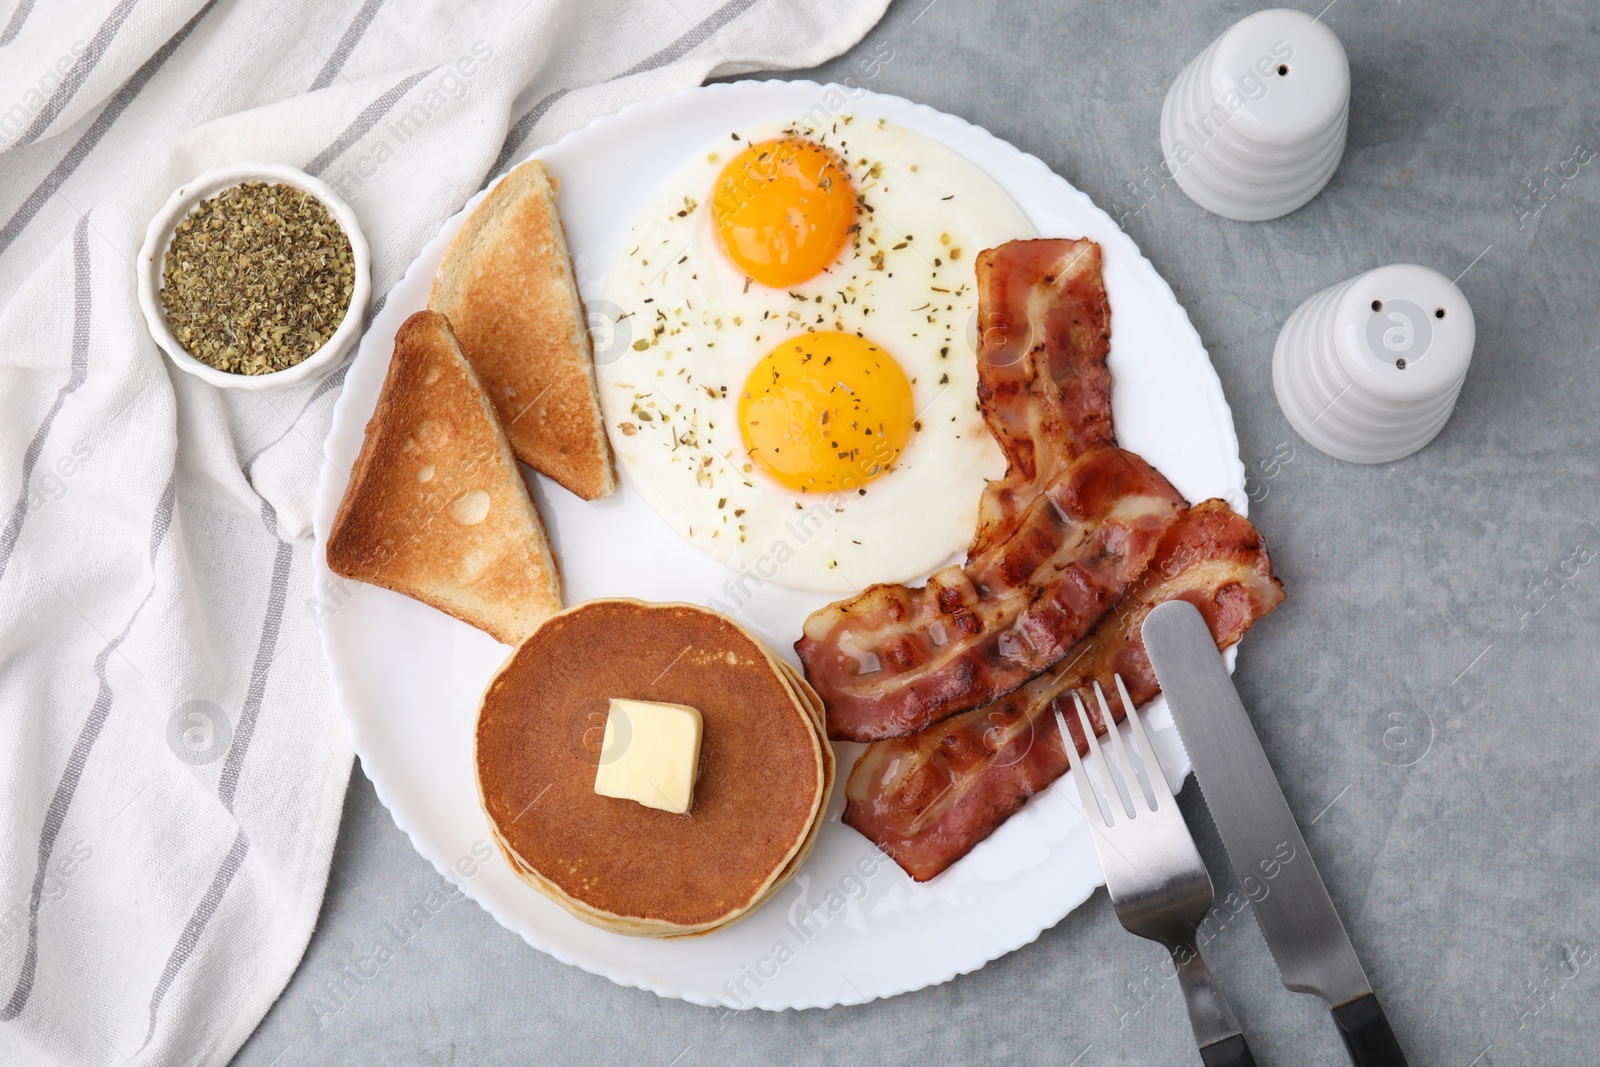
(1309, 943)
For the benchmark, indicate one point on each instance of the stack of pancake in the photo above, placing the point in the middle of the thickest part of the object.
(765, 768)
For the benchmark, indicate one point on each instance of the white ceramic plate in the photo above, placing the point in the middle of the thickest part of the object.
(408, 677)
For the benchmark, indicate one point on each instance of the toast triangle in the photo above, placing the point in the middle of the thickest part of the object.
(436, 507)
(507, 287)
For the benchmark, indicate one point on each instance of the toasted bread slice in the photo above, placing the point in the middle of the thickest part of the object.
(506, 285)
(436, 507)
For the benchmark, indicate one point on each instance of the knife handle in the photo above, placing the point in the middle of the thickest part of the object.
(1229, 1052)
(1366, 1033)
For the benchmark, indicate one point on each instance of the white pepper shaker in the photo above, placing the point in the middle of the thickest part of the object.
(1368, 370)
(1255, 125)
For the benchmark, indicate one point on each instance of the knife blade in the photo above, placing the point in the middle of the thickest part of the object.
(1264, 845)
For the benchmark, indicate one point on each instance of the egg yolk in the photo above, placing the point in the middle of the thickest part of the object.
(783, 210)
(826, 412)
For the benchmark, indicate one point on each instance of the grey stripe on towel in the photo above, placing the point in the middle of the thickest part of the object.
(266, 651)
(196, 925)
(18, 17)
(228, 784)
(347, 44)
(77, 74)
(81, 297)
(97, 129)
(365, 121)
(56, 814)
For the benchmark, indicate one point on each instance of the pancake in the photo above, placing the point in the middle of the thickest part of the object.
(765, 770)
(813, 705)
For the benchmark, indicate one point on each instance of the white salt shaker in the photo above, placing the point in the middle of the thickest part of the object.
(1255, 125)
(1369, 369)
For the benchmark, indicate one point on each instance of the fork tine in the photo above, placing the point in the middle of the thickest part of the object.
(1086, 795)
(1130, 777)
(1102, 762)
(1147, 752)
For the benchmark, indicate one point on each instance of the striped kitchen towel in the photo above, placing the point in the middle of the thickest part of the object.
(172, 766)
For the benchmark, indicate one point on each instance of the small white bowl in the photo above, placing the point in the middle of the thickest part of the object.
(159, 236)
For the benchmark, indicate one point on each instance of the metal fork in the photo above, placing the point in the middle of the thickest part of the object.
(1158, 884)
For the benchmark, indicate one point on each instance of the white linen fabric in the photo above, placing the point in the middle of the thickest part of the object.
(172, 766)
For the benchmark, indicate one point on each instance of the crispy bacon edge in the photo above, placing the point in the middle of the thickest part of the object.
(1044, 333)
(928, 799)
(1045, 393)
(894, 660)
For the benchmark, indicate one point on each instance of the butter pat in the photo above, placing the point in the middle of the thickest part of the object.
(650, 754)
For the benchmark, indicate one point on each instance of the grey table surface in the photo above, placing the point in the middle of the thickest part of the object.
(1426, 693)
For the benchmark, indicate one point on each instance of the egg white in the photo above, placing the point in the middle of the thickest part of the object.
(691, 326)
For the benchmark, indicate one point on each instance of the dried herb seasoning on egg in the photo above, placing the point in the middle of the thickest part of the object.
(257, 278)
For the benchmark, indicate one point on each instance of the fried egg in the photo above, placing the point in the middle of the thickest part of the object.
(793, 386)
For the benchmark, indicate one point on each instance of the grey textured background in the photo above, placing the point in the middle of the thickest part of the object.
(1430, 712)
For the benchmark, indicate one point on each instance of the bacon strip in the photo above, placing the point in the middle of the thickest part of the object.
(894, 660)
(1043, 384)
(928, 799)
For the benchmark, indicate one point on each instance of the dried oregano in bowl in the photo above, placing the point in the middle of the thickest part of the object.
(257, 278)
